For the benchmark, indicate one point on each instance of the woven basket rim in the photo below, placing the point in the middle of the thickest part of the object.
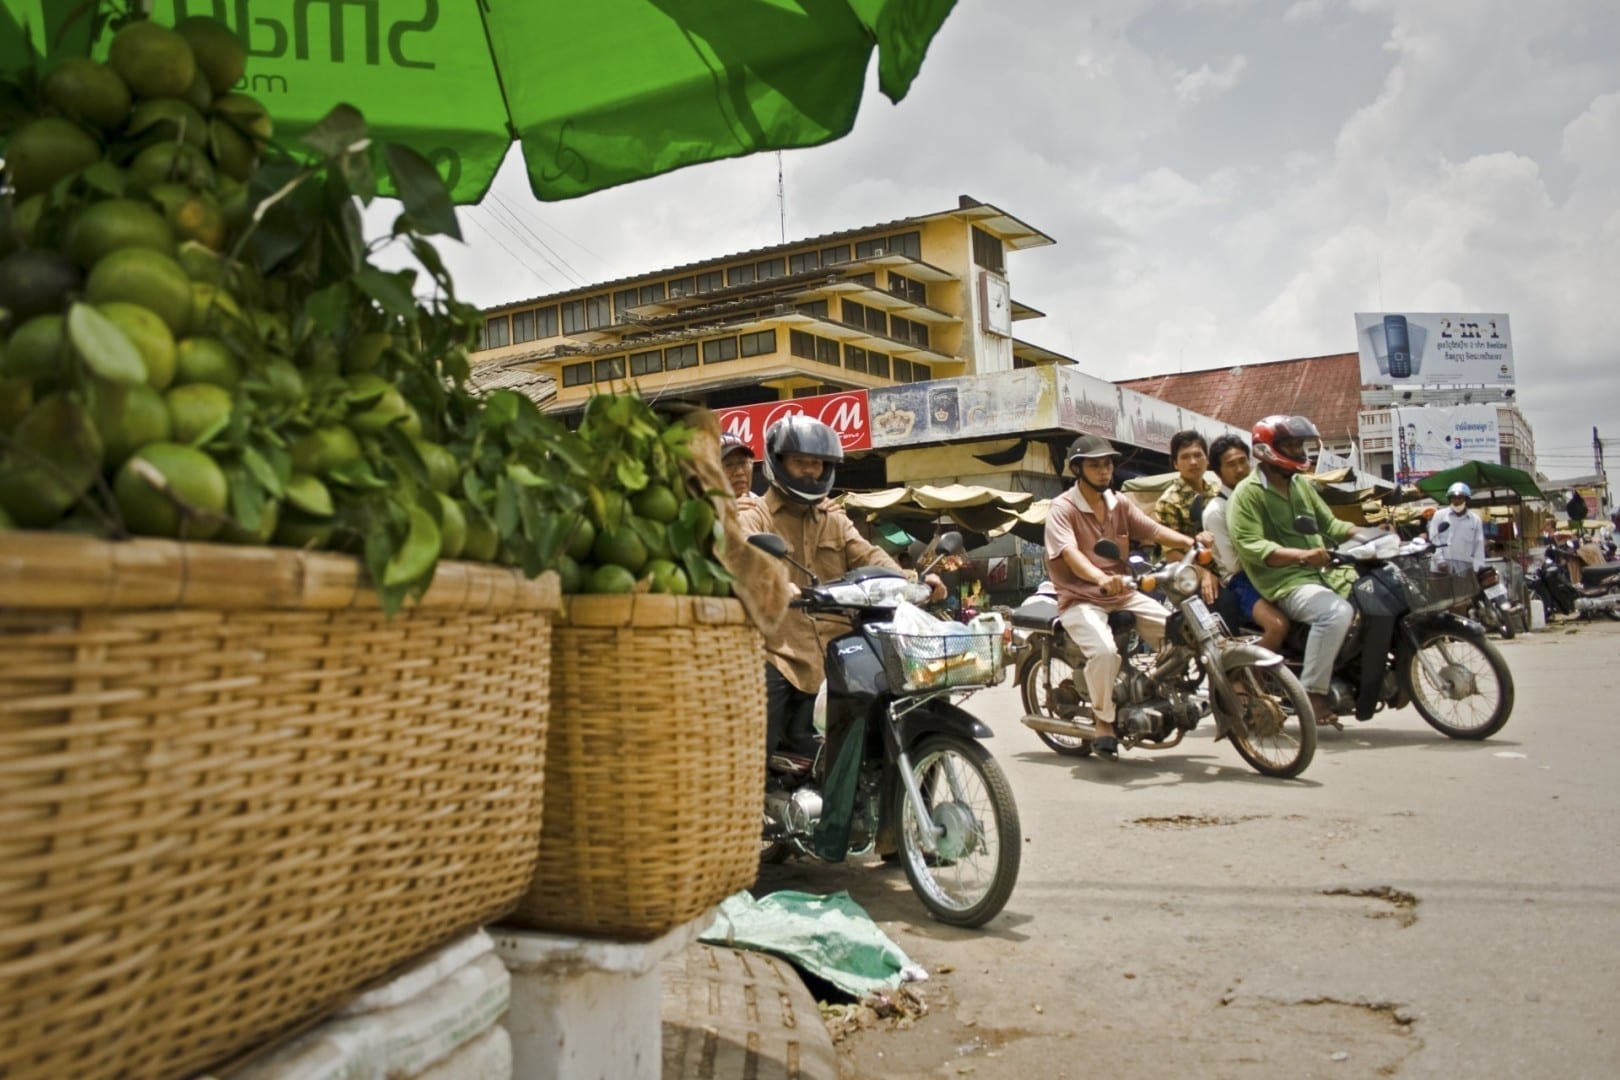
(40, 570)
(650, 610)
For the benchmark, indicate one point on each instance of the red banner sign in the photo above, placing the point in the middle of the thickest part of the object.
(846, 413)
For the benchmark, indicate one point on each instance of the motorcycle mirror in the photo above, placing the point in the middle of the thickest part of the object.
(1107, 549)
(1307, 525)
(1444, 525)
(770, 544)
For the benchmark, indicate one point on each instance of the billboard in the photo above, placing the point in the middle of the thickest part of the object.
(968, 407)
(1434, 349)
(845, 413)
(1431, 438)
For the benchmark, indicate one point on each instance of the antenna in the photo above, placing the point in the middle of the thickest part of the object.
(781, 198)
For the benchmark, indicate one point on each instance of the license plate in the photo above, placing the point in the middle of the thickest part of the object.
(1205, 617)
(1497, 592)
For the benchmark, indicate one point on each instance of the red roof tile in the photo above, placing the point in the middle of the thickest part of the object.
(1325, 388)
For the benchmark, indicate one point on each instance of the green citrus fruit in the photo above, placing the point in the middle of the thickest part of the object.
(417, 554)
(103, 227)
(269, 520)
(656, 503)
(171, 162)
(298, 531)
(201, 263)
(452, 527)
(220, 55)
(24, 220)
(666, 577)
(442, 467)
(606, 508)
(380, 404)
(326, 448)
(86, 91)
(169, 119)
(142, 417)
(365, 352)
(37, 350)
(233, 151)
(212, 308)
(620, 546)
(206, 360)
(283, 380)
(198, 411)
(54, 457)
(150, 336)
(610, 578)
(43, 151)
(579, 537)
(701, 518)
(192, 215)
(153, 61)
(16, 398)
(246, 114)
(190, 476)
(483, 542)
(35, 282)
(145, 277)
(199, 94)
(309, 496)
(569, 575)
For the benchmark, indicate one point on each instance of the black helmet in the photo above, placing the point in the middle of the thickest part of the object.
(1091, 446)
(800, 434)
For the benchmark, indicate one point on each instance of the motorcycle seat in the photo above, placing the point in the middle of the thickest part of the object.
(1597, 575)
(1036, 613)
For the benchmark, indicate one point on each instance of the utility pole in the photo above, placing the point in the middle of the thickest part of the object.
(781, 198)
(1603, 477)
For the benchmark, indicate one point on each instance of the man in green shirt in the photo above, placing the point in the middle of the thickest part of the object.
(1290, 567)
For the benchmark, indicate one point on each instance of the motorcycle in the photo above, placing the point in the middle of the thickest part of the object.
(898, 766)
(1491, 607)
(1598, 593)
(1258, 703)
(1408, 644)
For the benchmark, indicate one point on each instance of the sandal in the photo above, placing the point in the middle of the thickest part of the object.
(1106, 746)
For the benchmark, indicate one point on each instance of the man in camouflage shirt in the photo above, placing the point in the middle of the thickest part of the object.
(1181, 506)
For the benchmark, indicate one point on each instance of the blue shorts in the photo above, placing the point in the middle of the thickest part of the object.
(1247, 595)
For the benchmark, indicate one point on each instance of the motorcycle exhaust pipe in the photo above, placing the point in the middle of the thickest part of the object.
(1597, 603)
(1074, 729)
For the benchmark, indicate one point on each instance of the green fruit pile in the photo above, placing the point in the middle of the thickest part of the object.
(196, 343)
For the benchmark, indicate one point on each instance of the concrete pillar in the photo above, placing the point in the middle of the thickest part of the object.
(586, 1008)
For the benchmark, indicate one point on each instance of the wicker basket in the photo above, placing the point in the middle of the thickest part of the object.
(232, 791)
(655, 765)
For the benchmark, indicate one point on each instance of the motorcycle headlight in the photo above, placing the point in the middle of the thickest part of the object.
(1184, 580)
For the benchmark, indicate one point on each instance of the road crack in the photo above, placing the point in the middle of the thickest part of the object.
(1404, 903)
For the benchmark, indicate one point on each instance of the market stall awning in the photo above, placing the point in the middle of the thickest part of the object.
(982, 509)
(1488, 480)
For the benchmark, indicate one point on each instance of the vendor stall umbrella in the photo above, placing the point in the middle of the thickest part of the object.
(598, 92)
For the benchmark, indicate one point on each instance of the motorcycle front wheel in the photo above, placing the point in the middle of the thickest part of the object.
(1460, 685)
(1042, 686)
(970, 874)
(1276, 731)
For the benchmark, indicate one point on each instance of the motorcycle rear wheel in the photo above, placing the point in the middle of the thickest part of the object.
(1473, 696)
(1036, 683)
(1276, 734)
(970, 877)
(1493, 618)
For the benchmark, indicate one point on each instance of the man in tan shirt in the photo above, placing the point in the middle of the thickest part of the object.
(801, 457)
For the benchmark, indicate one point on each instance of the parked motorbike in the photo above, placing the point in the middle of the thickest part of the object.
(898, 766)
(1409, 645)
(1258, 703)
(1597, 595)
(1493, 608)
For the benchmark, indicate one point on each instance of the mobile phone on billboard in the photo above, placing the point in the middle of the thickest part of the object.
(1397, 345)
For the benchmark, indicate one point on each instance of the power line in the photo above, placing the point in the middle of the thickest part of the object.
(509, 251)
(566, 266)
(502, 218)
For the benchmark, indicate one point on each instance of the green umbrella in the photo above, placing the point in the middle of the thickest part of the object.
(598, 92)
(1484, 478)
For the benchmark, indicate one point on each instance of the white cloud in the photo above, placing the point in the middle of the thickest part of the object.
(1194, 86)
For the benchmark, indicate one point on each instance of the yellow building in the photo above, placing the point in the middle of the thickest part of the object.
(918, 299)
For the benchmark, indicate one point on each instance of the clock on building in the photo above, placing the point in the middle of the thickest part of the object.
(996, 302)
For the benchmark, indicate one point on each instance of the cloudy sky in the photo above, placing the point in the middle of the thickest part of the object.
(1228, 181)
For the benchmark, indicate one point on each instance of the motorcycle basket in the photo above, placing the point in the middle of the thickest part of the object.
(919, 662)
(1427, 590)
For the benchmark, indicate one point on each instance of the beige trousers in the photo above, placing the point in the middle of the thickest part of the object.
(1087, 627)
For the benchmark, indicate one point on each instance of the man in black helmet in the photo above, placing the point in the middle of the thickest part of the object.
(1090, 586)
(801, 457)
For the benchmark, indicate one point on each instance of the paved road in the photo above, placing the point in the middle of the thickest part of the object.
(1410, 906)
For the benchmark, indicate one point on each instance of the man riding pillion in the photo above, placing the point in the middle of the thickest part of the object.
(1181, 506)
(1287, 566)
(801, 458)
(1091, 586)
(1457, 534)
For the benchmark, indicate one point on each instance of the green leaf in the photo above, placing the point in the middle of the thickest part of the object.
(631, 474)
(262, 471)
(524, 475)
(328, 309)
(506, 508)
(392, 291)
(420, 188)
(359, 175)
(356, 474)
(105, 177)
(336, 132)
(104, 347)
(247, 499)
(502, 407)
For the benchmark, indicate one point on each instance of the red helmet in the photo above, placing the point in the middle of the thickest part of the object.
(1271, 430)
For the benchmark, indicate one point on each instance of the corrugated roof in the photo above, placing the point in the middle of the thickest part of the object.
(1018, 234)
(1325, 388)
(537, 387)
